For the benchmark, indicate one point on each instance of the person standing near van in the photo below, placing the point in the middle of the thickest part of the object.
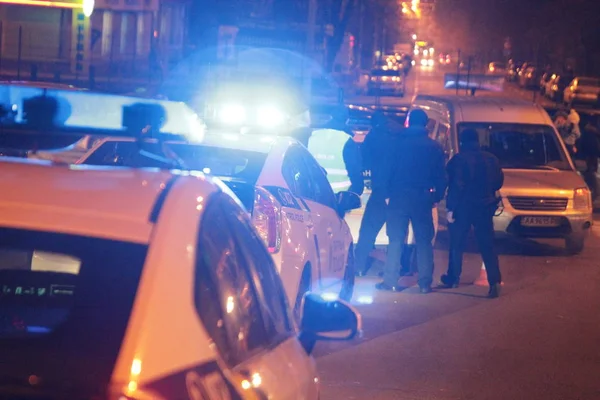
(568, 131)
(474, 178)
(417, 182)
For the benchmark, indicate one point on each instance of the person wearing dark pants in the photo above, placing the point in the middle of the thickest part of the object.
(414, 206)
(474, 178)
(372, 222)
(377, 156)
(417, 180)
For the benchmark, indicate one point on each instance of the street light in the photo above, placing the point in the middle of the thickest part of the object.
(414, 36)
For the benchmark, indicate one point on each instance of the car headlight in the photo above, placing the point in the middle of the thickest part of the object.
(270, 117)
(430, 63)
(582, 198)
(232, 114)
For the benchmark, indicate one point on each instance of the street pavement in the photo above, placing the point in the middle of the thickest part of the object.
(539, 340)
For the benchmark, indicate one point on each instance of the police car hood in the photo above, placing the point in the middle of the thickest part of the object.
(546, 183)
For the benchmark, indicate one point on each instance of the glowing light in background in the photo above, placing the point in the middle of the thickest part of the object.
(232, 114)
(88, 7)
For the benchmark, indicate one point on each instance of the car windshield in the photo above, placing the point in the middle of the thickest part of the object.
(521, 146)
(65, 302)
(381, 72)
(589, 82)
(219, 161)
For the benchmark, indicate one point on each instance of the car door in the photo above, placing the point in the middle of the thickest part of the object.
(282, 339)
(332, 228)
(299, 178)
(242, 306)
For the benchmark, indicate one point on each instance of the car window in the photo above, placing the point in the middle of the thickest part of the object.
(323, 192)
(296, 174)
(443, 138)
(521, 146)
(64, 297)
(122, 153)
(264, 273)
(226, 298)
(431, 124)
(589, 82)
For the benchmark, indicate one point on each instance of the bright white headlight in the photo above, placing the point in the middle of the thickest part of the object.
(232, 114)
(269, 116)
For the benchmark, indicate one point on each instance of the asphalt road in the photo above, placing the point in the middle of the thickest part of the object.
(539, 340)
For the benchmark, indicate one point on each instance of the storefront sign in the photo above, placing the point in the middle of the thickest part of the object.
(80, 51)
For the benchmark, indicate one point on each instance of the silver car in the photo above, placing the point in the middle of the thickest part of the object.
(583, 90)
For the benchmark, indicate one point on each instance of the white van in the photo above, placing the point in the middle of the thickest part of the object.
(543, 195)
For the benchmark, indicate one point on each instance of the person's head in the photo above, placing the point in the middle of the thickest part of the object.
(469, 138)
(561, 118)
(417, 118)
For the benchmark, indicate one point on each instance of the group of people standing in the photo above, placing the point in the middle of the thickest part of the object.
(409, 177)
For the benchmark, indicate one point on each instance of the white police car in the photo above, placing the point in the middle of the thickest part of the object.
(293, 207)
(128, 284)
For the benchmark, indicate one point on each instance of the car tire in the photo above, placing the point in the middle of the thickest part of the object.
(575, 243)
(303, 287)
(349, 277)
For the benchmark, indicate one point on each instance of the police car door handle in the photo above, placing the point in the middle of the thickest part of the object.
(329, 232)
(310, 224)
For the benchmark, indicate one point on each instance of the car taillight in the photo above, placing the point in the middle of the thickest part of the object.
(266, 217)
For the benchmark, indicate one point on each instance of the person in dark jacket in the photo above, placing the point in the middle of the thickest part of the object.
(376, 155)
(589, 146)
(338, 153)
(416, 183)
(475, 177)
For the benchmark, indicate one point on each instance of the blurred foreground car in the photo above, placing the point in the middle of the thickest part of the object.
(133, 284)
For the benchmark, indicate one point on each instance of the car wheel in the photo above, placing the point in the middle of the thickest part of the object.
(303, 287)
(349, 277)
(575, 243)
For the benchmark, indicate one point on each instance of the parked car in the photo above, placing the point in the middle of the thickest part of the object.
(497, 67)
(388, 80)
(582, 90)
(546, 78)
(528, 77)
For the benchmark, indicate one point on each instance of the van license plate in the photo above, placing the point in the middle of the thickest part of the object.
(540, 221)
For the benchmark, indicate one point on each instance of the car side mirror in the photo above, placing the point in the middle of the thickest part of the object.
(327, 320)
(347, 201)
(580, 165)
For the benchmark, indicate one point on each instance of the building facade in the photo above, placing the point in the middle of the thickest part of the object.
(120, 38)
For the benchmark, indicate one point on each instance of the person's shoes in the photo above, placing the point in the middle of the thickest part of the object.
(385, 287)
(494, 292)
(426, 290)
(447, 285)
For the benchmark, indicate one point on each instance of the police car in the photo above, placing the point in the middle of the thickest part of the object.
(145, 284)
(121, 283)
(291, 203)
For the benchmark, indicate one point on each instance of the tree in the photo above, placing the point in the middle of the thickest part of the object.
(340, 12)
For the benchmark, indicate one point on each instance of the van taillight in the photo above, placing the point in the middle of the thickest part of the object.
(266, 217)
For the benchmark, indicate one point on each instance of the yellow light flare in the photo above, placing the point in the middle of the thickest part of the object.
(86, 5)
